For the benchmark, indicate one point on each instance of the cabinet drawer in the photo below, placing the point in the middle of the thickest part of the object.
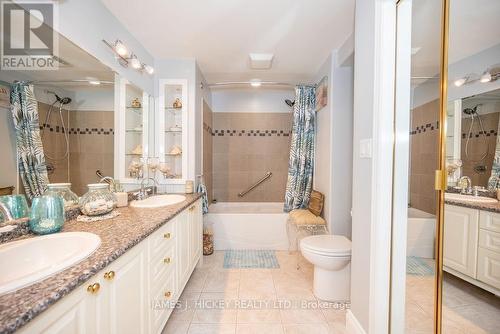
(488, 267)
(162, 303)
(489, 221)
(161, 263)
(489, 240)
(162, 239)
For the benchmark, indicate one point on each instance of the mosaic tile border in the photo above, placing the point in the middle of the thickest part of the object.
(79, 131)
(424, 128)
(250, 133)
(490, 133)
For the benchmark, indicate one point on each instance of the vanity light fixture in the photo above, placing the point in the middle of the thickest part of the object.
(255, 83)
(121, 49)
(486, 77)
(461, 81)
(134, 62)
(94, 82)
(126, 57)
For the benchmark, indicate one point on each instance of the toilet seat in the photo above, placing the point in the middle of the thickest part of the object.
(327, 245)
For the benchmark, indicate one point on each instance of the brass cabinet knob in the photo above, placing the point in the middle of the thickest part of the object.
(167, 235)
(168, 294)
(109, 275)
(166, 260)
(94, 288)
(191, 208)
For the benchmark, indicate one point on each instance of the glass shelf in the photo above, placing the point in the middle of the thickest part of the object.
(133, 131)
(173, 109)
(170, 131)
(133, 154)
(173, 155)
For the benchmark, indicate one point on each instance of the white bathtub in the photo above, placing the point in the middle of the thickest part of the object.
(248, 225)
(421, 233)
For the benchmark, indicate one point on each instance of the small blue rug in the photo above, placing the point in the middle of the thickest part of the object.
(247, 258)
(418, 267)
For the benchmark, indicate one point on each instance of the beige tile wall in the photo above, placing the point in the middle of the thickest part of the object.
(208, 149)
(54, 144)
(240, 161)
(424, 157)
(90, 152)
(478, 147)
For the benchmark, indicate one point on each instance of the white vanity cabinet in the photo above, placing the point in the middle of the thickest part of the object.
(136, 293)
(472, 246)
(460, 239)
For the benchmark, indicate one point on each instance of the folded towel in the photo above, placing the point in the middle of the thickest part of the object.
(200, 188)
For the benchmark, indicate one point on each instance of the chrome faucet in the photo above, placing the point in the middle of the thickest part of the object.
(143, 193)
(7, 216)
(467, 188)
(109, 180)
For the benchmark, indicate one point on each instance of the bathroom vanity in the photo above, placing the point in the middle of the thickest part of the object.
(130, 284)
(472, 243)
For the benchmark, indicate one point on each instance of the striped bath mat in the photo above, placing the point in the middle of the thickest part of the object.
(247, 258)
(417, 266)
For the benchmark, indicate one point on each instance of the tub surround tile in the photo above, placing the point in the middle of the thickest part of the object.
(132, 225)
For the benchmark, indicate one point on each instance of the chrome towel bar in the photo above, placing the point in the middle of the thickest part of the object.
(243, 193)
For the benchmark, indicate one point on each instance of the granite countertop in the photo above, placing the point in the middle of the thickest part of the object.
(492, 207)
(117, 236)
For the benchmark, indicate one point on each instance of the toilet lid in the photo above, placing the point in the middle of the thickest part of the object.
(336, 245)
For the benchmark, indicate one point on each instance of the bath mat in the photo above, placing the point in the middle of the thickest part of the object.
(418, 267)
(247, 258)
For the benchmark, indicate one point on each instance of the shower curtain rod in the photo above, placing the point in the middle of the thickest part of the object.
(246, 83)
(65, 81)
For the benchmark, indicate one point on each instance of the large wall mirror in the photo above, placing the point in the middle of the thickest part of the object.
(75, 109)
(471, 238)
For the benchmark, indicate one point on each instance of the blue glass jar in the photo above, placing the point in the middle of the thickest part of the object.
(47, 214)
(17, 205)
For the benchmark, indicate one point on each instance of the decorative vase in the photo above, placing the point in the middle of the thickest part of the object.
(99, 200)
(47, 214)
(63, 190)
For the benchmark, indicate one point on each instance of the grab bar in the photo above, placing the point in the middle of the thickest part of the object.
(243, 193)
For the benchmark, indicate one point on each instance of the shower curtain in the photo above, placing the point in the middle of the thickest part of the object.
(31, 160)
(301, 163)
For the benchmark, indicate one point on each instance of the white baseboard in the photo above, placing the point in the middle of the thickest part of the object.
(352, 324)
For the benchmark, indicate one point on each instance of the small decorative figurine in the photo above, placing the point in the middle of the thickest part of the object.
(136, 103)
(177, 103)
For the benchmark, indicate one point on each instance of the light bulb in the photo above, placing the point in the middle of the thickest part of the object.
(255, 83)
(149, 69)
(94, 82)
(135, 63)
(486, 77)
(460, 82)
(121, 49)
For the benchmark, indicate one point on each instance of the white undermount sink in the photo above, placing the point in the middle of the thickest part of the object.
(469, 198)
(28, 261)
(158, 201)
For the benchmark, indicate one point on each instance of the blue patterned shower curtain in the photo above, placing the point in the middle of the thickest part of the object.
(31, 160)
(301, 163)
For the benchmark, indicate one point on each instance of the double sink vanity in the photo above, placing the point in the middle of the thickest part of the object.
(121, 275)
(472, 240)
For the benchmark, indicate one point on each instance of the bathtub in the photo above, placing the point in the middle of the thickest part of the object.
(248, 225)
(421, 233)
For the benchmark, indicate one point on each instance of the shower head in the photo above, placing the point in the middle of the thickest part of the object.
(290, 103)
(471, 111)
(62, 100)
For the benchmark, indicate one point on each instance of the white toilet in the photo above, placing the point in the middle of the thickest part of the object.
(331, 257)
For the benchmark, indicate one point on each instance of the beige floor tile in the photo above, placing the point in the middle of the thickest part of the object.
(176, 327)
(222, 281)
(417, 319)
(306, 328)
(334, 316)
(336, 328)
(261, 288)
(248, 316)
(215, 308)
(212, 329)
(186, 307)
(302, 316)
(197, 280)
(291, 292)
(259, 328)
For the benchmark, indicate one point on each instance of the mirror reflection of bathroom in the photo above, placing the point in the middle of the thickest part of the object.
(471, 251)
(424, 144)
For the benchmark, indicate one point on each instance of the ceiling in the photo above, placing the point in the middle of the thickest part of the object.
(220, 34)
(474, 27)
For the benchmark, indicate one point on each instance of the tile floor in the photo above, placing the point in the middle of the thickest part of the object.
(219, 300)
(467, 309)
